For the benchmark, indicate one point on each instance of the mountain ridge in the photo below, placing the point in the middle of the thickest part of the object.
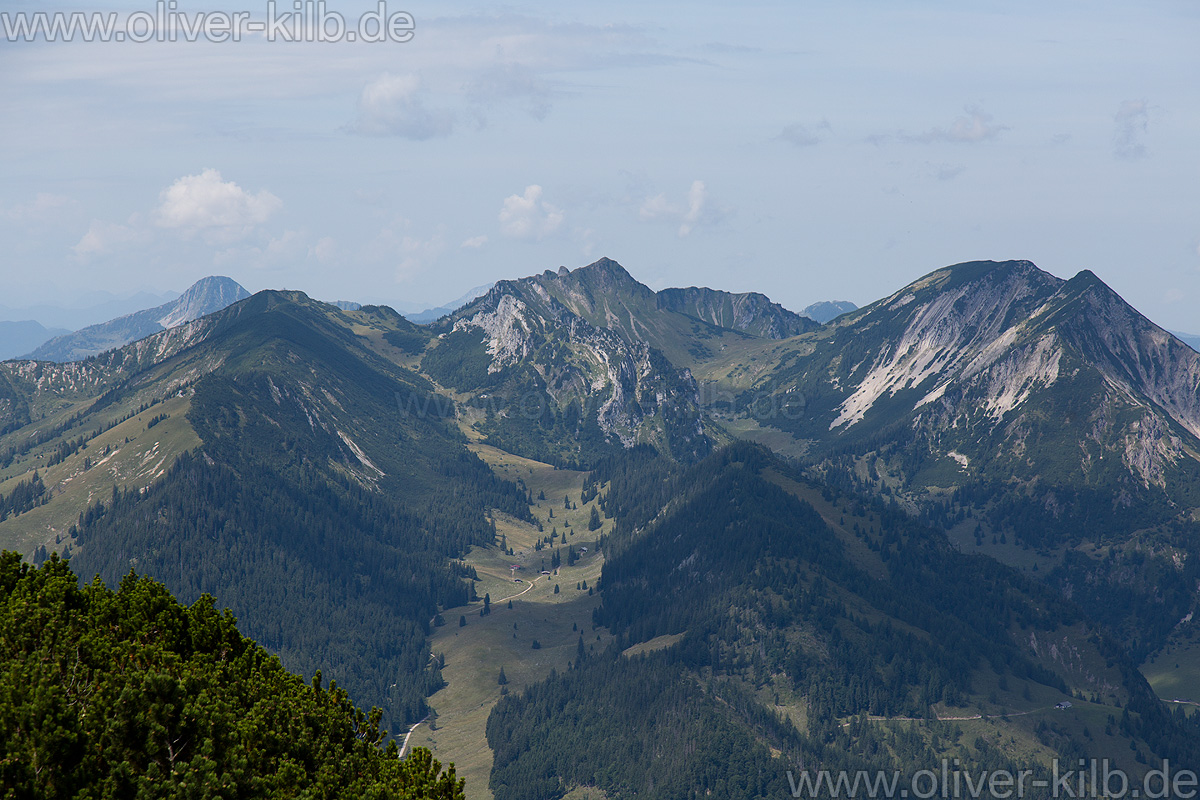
(285, 448)
(203, 297)
(22, 336)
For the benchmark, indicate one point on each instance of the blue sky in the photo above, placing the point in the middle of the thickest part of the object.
(808, 150)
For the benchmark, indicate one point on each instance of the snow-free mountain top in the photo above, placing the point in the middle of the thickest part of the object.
(203, 297)
(827, 310)
(1013, 371)
(22, 336)
(427, 315)
(607, 357)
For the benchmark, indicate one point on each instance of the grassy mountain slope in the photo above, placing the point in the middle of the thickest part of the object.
(849, 638)
(474, 654)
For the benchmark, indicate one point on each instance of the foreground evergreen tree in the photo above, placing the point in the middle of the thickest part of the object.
(130, 694)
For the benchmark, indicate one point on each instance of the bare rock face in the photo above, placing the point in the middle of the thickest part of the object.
(596, 339)
(1003, 364)
(633, 392)
(750, 312)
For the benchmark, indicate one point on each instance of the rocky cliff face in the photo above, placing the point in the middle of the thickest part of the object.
(1001, 365)
(543, 346)
(750, 312)
(203, 297)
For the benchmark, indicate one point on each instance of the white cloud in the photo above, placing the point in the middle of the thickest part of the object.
(1129, 125)
(220, 210)
(102, 237)
(527, 216)
(945, 172)
(370, 197)
(697, 203)
(287, 249)
(418, 255)
(325, 250)
(475, 241)
(695, 210)
(404, 251)
(977, 126)
(657, 208)
(42, 207)
(394, 105)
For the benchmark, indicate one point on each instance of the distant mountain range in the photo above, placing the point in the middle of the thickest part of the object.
(1190, 339)
(826, 310)
(18, 338)
(203, 297)
(428, 315)
(982, 505)
(602, 355)
(87, 309)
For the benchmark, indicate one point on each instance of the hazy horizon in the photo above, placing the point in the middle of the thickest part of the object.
(830, 151)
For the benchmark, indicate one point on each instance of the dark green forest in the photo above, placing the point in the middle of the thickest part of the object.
(771, 602)
(128, 693)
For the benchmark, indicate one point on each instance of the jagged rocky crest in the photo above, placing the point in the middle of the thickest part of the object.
(598, 340)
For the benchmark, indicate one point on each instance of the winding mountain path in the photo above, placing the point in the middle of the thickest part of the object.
(955, 719)
(407, 736)
(518, 594)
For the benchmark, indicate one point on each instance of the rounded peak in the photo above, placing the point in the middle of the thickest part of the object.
(984, 271)
(216, 284)
(982, 267)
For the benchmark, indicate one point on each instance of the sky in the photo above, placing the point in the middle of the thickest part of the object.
(806, 150)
